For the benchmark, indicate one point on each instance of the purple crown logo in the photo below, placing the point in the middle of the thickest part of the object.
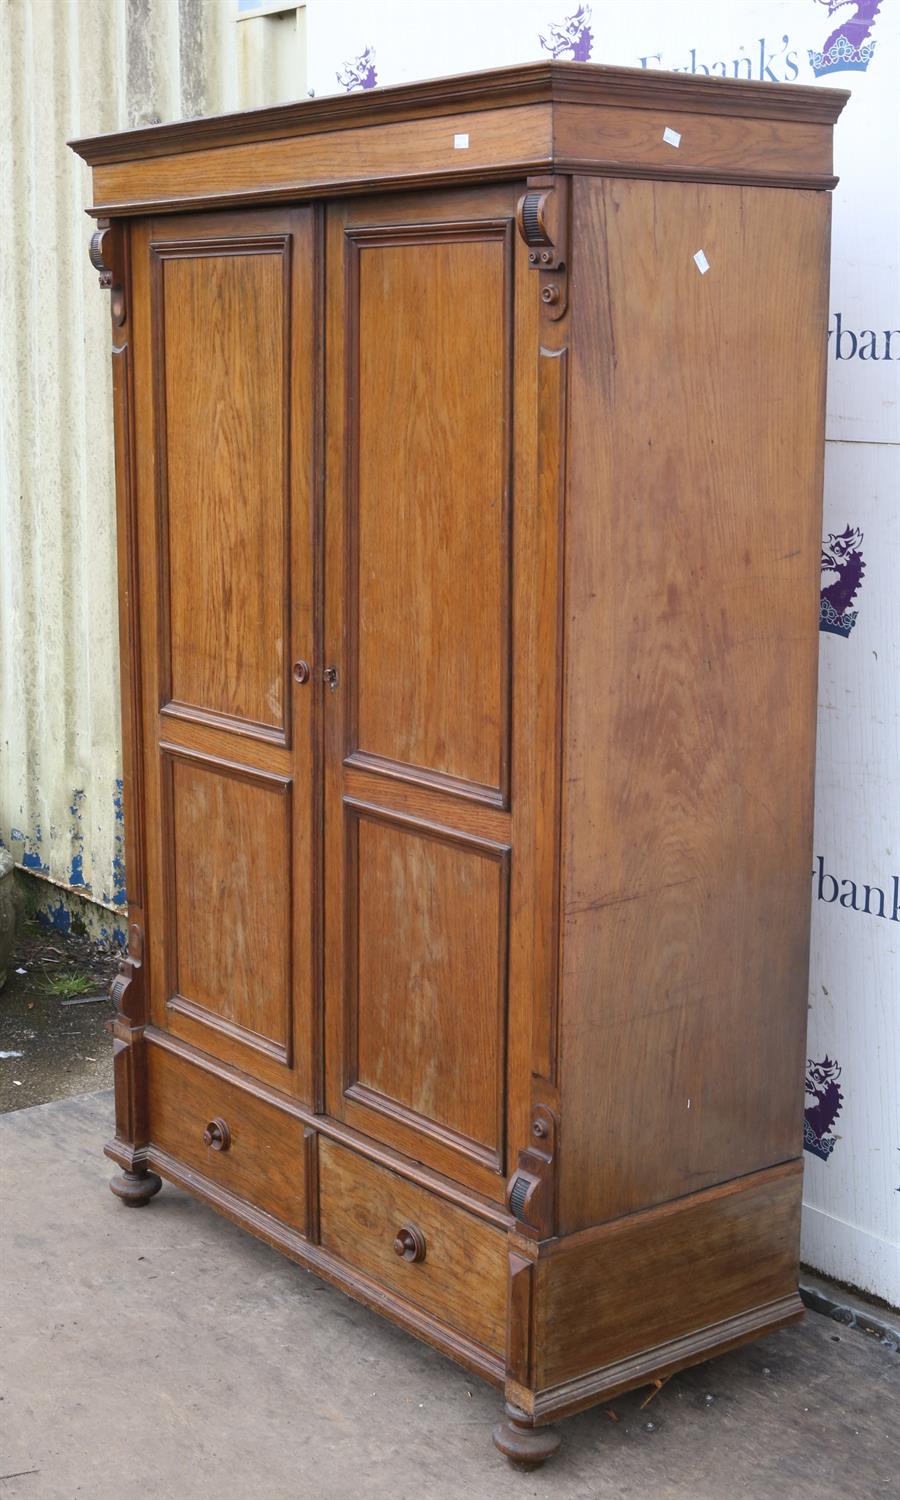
(360, 73)
(847, 49)
(573, 39)
(841, 557)
(819, 1117)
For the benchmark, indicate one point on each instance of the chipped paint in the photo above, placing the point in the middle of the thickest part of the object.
(76, 873)
(120, 895)
(29, 855)
(57, 916)
(33, 861)
(69, 911)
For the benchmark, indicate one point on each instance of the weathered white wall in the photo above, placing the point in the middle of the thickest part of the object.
(78, 66)
(71, 68)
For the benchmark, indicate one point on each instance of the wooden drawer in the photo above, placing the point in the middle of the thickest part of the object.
(259, 1155)
(460, 1279)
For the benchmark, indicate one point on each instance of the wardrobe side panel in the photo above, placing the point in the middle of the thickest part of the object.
(692, 575)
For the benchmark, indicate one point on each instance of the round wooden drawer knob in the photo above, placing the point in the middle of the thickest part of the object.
(410, 1243)
(217, 1135)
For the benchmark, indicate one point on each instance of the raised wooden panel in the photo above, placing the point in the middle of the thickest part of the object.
(429, 386)
(426, 979)
(438, 551)
(461, 1277)
(228, 840)
(260, 1155)
(226, 415)
(222, 343)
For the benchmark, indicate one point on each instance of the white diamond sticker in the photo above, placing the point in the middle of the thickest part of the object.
(460, 143)
(672, 137)
(701, 263)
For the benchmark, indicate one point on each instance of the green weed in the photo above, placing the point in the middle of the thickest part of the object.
(68, 983)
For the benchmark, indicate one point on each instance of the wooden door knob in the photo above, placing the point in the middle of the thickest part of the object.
(301, 672)
(217, 1135)
(410, 1243)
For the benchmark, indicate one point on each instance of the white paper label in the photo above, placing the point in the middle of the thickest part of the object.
(460, 143)
(701, 263)
(672, 137)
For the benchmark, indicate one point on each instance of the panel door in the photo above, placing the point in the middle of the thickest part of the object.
(431, 346)
(224, 416)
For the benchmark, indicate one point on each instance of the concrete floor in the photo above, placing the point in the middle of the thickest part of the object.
(163, 1354)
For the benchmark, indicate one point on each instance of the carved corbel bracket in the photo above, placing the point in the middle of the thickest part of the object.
(129, 973)
(105, 253)
(543, 220)
(531, 1191)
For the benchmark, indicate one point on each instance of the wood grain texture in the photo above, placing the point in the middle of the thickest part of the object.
(653, 1365)
(691, 617)
(536, 598)
(591, 139)
(650, 1278)
(545, 669)
(427, 1012)
(311, 165)
(229, 833)
(222, 311)
(515, 869)
(442, 1186)
(517, 142)
(264, 1162)
(442, 805)
(497, 88)
(251, 500)
(462, 1278)
(519, 1319)
(544, 116)
(216, 741)
(430, 388)
(292, 1243)
(377, 633)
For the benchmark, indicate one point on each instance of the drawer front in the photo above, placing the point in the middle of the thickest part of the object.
(435, 1255)
(243, 1143)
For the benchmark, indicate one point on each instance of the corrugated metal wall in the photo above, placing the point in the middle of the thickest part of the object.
(70, 68)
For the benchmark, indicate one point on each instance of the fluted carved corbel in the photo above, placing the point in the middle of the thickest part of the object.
(543, 220)
(106, 257)
(129, 978)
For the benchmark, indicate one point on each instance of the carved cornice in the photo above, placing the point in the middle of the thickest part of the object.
(500, 88)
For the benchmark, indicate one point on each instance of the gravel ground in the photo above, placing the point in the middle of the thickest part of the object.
(53, 1013)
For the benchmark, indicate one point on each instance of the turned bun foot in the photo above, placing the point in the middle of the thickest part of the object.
(135, 1188)
(521, 1443)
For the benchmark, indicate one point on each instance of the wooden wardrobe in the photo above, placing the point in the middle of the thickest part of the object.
(469, 448)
